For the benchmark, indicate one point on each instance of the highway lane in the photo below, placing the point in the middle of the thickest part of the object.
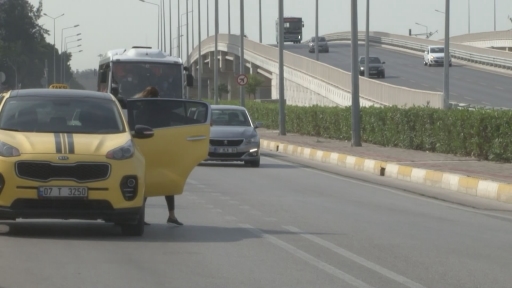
(467, 84)
(279, 225)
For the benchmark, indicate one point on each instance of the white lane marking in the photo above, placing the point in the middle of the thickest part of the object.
(353, 257)
(395, 191)
(312, 260)
(234, 202)
(230, 218)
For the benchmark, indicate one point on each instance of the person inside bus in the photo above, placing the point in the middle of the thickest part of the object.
(170, 84)
(152, 92)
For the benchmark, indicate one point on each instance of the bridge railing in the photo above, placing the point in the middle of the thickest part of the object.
(382, 93)
(483, 56)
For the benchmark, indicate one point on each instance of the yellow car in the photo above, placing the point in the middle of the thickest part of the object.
(72, 154)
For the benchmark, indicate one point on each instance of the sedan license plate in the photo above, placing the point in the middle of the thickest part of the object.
(225, 150)
(62, 192)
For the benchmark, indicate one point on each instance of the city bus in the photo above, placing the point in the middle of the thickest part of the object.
(292, 29)
(125, 73)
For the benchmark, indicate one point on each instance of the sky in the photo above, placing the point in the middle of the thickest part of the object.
(113, 24)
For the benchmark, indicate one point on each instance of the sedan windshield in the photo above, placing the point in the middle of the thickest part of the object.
(230, 117)
(373, 60)
(437, 50)
(64, 115)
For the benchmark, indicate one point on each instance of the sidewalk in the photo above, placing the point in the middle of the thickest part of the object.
(462, 174)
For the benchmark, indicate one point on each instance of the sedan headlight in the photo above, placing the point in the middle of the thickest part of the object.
(431, 57)
(7, 150)
(252, 140)
(123, 152)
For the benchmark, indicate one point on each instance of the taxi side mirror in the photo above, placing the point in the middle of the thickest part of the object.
(143, 132)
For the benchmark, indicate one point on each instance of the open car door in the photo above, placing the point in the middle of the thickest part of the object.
(180, 142)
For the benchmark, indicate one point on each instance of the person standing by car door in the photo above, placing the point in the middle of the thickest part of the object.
(152, 92)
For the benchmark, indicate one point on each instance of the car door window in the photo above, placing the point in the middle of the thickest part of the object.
(163, 113)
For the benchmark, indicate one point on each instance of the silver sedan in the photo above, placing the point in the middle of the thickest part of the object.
(233, 136)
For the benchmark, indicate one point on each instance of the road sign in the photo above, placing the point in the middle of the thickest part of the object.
(2, 77)
(242, 79)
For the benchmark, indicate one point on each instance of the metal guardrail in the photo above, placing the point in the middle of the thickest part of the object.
(461, 52)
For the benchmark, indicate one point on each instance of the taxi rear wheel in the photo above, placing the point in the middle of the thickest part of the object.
(136, 229)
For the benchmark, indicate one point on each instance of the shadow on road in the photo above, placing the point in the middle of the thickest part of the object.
(241, 165)
(157, 233)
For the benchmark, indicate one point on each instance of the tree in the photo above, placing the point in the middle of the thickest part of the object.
(253, 83)
(222, 88)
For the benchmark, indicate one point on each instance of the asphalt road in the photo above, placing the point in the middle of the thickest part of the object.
(467, 83)
(280, 225)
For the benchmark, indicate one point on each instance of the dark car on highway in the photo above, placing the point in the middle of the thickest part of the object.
(323, 46)
(375, 65)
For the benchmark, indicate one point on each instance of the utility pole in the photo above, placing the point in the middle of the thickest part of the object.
(207, 18)
(179, 31)
(356, 117)
(229, 17)
(188, 41)
(163, 25)
(242, 50)
(282, 115)
(170, 28)
(446, 90)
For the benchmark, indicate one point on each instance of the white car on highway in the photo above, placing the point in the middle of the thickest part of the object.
(434, 55)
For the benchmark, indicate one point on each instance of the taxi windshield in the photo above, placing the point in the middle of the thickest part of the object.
(64, 115)
(132, 78)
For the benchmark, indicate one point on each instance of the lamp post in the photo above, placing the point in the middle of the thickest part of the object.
(229, 17)
(61, 41)
(200, 56)
(261, 34)
(164, 40)
(367, 42)
(469, 17)
(64, 74)
(446, 90)
(316, 30)
(215, 56)
(242, 50)
(70, 53)
(425, 28)
(158, 24)
(282, 115)
(170, 28)
(54, 48)
(355, 109)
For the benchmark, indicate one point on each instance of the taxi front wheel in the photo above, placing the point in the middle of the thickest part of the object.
(136, 229)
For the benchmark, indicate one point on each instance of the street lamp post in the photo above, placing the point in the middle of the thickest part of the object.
(261, 34)
(65, 41)
(469, 17)
(494, 15)
(446, 92)
(164, 40)
(316, 30)
(61, 41)
(367, 42)
(356, 117)
(215, 56)
(425, 28)
(200, 56)
(207, 18)
(188, 58)
(229, 18)
(158, 24)
(242, 48)
(282, 111)
(64, 76)
(54, 48)
(70, 53)
(170, 28)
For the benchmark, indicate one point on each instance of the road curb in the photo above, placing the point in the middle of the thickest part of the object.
(482, 188)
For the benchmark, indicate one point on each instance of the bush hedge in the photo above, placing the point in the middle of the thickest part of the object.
(483, 134)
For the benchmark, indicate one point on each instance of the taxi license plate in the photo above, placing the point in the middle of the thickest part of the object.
(62, 192)
(225, 150)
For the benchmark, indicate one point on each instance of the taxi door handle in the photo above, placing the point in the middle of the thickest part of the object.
(196, 138)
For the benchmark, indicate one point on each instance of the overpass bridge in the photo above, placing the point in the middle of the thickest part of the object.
(499, 40)
(327, 82)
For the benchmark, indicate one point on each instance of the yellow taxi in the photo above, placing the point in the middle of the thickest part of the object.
(74, 154)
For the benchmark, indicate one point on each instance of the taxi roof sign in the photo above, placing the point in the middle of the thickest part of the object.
(59, 86)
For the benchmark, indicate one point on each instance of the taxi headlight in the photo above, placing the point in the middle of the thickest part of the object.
(7, 150)
(123, 152)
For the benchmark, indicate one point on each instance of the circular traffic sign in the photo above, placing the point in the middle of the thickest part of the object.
(241, 79)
